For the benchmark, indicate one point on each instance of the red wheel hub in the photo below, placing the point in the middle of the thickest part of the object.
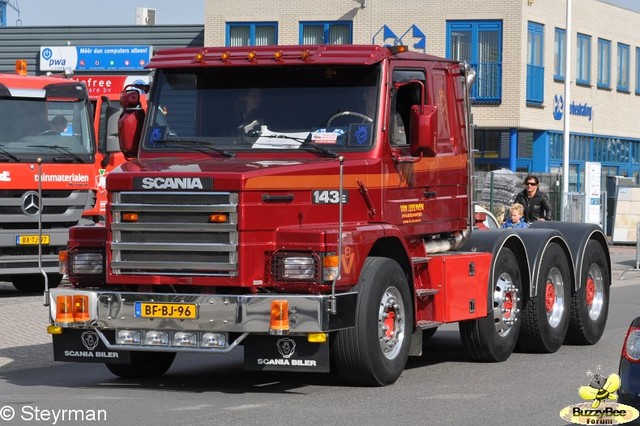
(550, 296)
(507, 305)
(390, 323)
(590, 291)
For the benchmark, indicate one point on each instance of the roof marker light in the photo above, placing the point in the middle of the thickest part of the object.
(199, 57)
(305, 55)
(277, 55)
(225, 56)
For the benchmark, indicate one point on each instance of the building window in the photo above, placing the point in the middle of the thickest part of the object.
(251, 33)
(584, 60)
(623, 67)
(480, 44)
(637, 70)
(559, 54)
(335, 32)
(535, 63)
(604, 64)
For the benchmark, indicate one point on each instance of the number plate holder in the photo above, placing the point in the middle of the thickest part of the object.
(165, 310)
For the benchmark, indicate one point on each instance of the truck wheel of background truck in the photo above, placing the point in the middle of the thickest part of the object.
(34, 283)
(590, 304)
(143, 365)
(375, 351)
(494, 337)
(545, 318)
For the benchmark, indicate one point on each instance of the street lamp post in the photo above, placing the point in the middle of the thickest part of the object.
(566, 115)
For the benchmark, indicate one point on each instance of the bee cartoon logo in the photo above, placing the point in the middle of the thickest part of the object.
(600, 406)
(600, 389)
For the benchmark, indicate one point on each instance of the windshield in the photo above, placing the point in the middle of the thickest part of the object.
(263, 108)
(56, 131)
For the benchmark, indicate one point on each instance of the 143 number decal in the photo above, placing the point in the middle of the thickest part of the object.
(328, 196)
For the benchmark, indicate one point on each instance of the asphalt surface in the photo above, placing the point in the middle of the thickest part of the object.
(25, 318)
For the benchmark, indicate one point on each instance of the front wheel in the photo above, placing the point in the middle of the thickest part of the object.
(144, 365)
(375, 351)
(590, 304)
(545, 318)
(493, 338)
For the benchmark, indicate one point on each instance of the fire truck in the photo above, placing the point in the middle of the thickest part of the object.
(312, 204)
(104, 93)
(47, 152)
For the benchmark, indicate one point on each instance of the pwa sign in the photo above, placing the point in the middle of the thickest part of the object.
(389, 38)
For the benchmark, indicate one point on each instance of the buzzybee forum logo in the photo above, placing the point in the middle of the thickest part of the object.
(600, 407)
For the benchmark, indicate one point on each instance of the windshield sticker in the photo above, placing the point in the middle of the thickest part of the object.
(360, 134)
(157, 133)
(328, 138)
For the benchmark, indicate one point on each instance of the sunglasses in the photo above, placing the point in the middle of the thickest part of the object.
(531, 184)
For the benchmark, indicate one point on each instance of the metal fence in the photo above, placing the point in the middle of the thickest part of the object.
(496, 190)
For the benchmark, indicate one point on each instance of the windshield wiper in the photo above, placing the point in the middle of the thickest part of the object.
(9, 155)
(61, 149)
(195, 145)
(308, 144)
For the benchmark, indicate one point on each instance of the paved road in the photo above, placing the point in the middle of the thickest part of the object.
(25, 318)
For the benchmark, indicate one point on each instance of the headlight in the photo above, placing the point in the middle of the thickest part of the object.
(87, 263)
(296, 267)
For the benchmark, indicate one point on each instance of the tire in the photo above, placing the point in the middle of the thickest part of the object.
(143, 365)
(494, 337)
(545, 318)
(34, 283)
(375, 351)
(590, 304)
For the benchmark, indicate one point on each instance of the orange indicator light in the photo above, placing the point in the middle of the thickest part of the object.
(81, 308)
(251, 56)
(130, 217)
(279, 316)
(225, 56)
(64, 309)
(218, 218)
(21, 67)
(277, 55)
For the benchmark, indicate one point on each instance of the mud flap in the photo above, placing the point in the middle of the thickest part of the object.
(85, 346)
(285, 353)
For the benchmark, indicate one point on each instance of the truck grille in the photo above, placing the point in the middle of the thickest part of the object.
(60, 208)
(173, 233)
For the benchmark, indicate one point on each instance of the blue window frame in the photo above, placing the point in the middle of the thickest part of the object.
(251, 33)
(637, 70)
(480, 44)
(623, 68)
(333, 32)
(583, 69)
(559, 54)
(535, 63)
(604, 64)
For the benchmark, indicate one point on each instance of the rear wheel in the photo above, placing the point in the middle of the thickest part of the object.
(590, 304)
(34, 283)
(375, 351)
(144, 365)
(494, 337)
(545, 318)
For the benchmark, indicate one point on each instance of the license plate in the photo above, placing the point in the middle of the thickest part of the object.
(30, 240)
(165, 310)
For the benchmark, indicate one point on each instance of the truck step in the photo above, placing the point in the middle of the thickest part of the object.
(425, 292)
(424, 324)
(419, 260)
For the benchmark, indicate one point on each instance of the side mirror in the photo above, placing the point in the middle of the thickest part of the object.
(424, 128)
(129, 130)
(111, 136)
(130, 122)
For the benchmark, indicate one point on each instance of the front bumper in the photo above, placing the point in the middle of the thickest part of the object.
(110, 310)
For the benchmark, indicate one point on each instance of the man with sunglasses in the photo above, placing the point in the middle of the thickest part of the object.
(535, 202)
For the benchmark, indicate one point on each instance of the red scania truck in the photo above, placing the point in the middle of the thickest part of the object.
(47, 154)
(312, 204)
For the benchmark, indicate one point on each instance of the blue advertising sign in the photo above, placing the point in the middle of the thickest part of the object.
(94, 58)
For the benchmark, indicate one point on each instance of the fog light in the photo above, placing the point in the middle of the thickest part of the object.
(182, 338)
(214, 340)
(317, 338)
(128, 337)
(156, 338)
